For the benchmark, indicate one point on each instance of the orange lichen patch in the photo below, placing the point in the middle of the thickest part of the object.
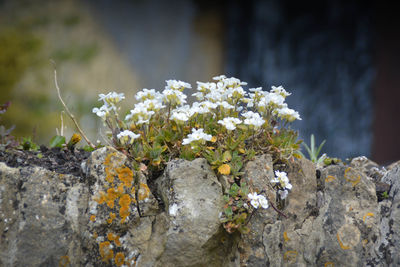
(112, 217)
(329, 178)
(102, 198)
(109, 175)
(351, 176)
(144, 192)
(64, 261)
(285, 237)
(111, 236)
(116, 241)
(290, 256)
(123, 213)
(119, 259)
(120, 189)
(341, 243)
(364, 242)
(93, 218)
(112, 195)
(106, 251)
(125, 200)
(125, 175)
(369, 214)
(329, 264)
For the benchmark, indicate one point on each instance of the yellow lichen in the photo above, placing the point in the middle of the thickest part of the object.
(117, 242)
(64, 261)
(101, 199)
(125, 175)
(125, 200)
(329, 178)
(106, 252)
(119, 259)
(341, 243)
(112, 217)
(285, 237)
(124, 213)
(290, 256)
(329, 264)
(110, 236)
(93, 218)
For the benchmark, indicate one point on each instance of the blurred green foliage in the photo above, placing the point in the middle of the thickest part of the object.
(19, 50)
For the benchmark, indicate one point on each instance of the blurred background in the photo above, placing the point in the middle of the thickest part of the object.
(339, 59)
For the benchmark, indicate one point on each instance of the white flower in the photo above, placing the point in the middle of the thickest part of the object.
(263, 202)
(146, 94)
(230, 123)
(257, 200)
(288, 114)
(218, 78)
(282, 179)
(102, 111)
(225, 105)
(175, 97)
(255, 203)
(280, 91)
(271, 99)
(177, 85)
(283, 193)
(111, 98)
(196, 135)
(126, 136)
(253, 119)
(181, 114)
(253, 196)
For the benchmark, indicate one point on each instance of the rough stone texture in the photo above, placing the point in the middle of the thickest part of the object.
(193, 200)
(388, 247)
(331, 217)
(41, 217)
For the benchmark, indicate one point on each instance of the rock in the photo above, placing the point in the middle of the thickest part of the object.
(41, 217)
(193, 201)
(387, 248)
(331, 216)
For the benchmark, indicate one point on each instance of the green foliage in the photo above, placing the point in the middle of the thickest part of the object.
(28, 144)
(236, 209)
(313, 151)
(57, 141)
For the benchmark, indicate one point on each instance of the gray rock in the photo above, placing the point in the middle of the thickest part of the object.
(331, 217)
(41, 217)
(193, 201)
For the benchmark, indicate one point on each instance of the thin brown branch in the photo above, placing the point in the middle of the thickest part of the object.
(69, 113)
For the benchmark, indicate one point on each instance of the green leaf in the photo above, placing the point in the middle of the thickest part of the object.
(234, 190)
(57, 141)
(228, 211)
(226, 156)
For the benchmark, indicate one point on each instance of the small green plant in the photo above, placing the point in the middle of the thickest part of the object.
(28, 144)
(227, 126)
(385, 195)
(313, 151)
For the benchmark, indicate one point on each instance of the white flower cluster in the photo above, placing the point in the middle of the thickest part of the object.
(283, 181)
(127, 137)
(196, 136)
(258, 200)
(222, 99)
(110, 101)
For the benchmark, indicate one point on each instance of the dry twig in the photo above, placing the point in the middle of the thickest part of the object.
(69, 113)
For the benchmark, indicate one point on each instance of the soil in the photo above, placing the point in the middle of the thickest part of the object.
(59, 160)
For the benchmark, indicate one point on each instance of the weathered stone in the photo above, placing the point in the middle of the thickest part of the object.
(331, 217)
(388, 246)
(41, 217)
(193, 201)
